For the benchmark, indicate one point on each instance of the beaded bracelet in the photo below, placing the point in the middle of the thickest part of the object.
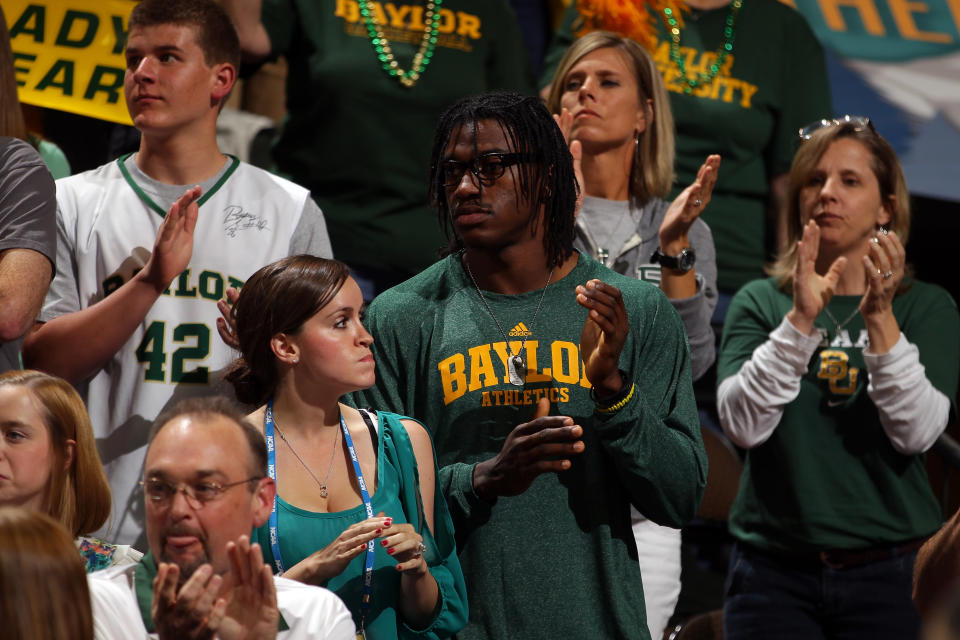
(620, 405)
(619, 401)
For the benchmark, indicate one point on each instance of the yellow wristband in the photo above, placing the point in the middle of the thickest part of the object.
(619, 405)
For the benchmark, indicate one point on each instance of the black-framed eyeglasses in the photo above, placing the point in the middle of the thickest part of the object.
(197, 494)
(858, 123)
(487, 167)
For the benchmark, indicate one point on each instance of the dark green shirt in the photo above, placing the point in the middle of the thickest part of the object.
(559, 560)
(828, 477)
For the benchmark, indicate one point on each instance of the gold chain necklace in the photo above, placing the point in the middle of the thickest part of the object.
(384, 52)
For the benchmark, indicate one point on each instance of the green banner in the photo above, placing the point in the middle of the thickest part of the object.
(885, 30)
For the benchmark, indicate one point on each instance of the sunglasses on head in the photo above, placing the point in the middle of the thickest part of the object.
(858, 123)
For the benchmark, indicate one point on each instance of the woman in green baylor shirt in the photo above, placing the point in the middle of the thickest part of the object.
(836, 375)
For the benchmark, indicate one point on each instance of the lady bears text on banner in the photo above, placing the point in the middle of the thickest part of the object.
(68, 54)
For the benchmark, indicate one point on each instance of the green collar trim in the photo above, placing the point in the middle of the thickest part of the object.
(143, 575)
(234, 164)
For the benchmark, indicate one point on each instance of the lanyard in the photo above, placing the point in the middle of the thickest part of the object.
(268, 430)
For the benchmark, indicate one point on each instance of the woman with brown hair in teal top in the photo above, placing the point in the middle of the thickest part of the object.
(358, 510)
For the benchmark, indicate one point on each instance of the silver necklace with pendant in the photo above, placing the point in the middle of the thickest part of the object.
(603, 254)
(516, 365)
(333, 456)
(841, 325)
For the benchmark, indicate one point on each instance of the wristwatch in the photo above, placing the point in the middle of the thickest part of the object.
(682, 262)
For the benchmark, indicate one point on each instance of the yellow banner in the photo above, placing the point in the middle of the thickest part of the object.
(68, 54)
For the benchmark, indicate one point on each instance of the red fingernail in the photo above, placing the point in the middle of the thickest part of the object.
(399, 568)
(389, 522)
(377, 532)
(390, 550)
(384, 542)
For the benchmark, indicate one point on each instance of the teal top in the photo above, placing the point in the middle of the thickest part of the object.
(53, 156)
(303, 532)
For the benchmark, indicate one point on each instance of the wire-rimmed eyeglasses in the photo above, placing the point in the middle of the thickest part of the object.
(487, 167)
(160, 492)
(858, 123)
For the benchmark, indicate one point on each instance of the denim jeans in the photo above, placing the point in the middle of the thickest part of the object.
(774, 597)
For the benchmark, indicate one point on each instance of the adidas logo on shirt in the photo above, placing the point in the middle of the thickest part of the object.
(520, 331)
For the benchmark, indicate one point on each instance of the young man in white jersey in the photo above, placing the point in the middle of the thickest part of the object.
(148, 244)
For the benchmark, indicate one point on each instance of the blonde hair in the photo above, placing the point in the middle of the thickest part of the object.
(651, 173)
(883, 163)
(42, 579)
(78, 496)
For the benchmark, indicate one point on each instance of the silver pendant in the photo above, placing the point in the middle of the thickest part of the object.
(602, 255)
(323, 491)
(517, 369)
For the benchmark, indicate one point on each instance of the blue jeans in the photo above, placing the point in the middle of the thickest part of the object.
(772, 597)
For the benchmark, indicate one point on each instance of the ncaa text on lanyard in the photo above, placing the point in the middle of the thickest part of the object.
(364, 495)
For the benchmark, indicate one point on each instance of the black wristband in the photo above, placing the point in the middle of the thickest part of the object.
(625, 386)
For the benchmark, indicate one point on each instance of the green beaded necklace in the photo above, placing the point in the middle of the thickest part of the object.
(385, 54)
(725, 48)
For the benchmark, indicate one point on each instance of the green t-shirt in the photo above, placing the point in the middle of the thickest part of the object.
(357, 138)
(559, 560)
(828, 477)
(774, 83)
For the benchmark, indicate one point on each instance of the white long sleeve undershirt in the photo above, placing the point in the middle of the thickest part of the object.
(913, 413)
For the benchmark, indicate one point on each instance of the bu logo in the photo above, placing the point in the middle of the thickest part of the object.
(835, 369)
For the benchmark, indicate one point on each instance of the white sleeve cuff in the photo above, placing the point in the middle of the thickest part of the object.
(913, 412)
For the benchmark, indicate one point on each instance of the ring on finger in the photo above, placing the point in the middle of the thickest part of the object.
(697, 202)
(887, 275)
(420, 549)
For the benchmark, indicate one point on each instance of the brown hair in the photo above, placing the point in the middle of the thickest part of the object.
(204, 407)
(215, 34)
(885, 166)
(11, 117)
(278, 298)
(42, 579)
(651, 174)
(78, 496)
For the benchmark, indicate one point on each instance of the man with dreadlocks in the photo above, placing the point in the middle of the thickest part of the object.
(512, 324)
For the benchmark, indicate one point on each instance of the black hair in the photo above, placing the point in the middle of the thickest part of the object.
(547, 182)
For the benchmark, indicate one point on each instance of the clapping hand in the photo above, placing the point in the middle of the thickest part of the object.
(251, 613)
(603, 336)
(174, 244)
(198, 610)
(884, 267)
(812, 291)
(542, 445)
(227, 322)
(687, 207)
(194, 611)
(565, 121)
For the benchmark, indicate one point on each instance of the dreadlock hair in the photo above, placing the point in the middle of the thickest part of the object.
(547, 182)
